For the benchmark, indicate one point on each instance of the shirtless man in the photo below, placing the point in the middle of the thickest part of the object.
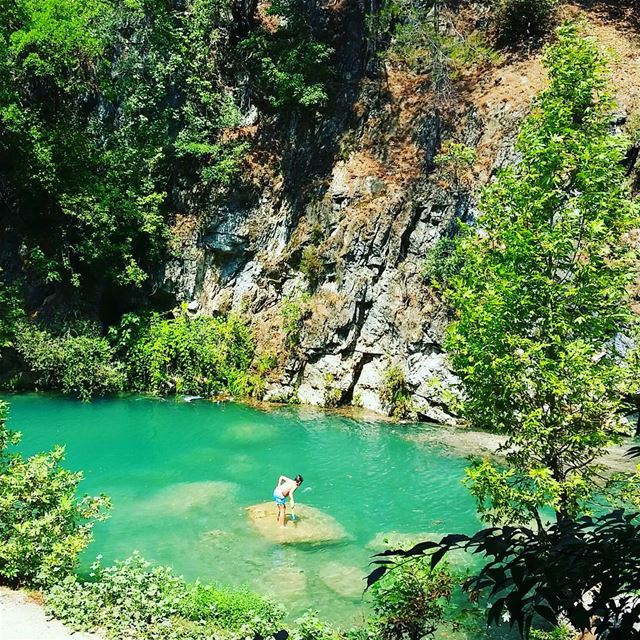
(285, 487)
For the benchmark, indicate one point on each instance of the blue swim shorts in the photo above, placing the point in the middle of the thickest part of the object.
(279, 499)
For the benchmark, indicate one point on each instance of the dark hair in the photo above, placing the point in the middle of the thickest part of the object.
(299, 479)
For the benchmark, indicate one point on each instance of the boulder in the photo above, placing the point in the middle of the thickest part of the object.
(311, 525)
(347, 581)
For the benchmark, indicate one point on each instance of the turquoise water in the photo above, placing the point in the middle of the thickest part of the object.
(180, 475)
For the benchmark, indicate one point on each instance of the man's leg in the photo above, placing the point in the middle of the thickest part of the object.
(281, 509)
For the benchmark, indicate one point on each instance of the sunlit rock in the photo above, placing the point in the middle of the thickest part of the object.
(347, 581)
(310, 526)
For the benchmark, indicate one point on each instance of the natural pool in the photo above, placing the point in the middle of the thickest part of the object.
(181, 474)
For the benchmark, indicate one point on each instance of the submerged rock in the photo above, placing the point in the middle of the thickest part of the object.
(347, 581)
(284, 582)
(182, 497)
(310, 526)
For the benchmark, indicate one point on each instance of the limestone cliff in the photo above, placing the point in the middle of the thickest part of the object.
(323, 244)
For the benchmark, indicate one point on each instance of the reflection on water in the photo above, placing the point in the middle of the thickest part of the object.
(182, 474)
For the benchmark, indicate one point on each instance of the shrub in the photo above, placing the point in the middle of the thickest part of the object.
(523, 18)
(441, 263)
(332, 394)
(135, 600)
(557, 633)
(456, 161)
(418, 37)
(395, 393)
(312, 265)
(11, 313)
(290, 65)
(410, 601)
(294, 309)
(78, 360)
(310, 627)
(43, 526)
(201, 355)
(231, 609)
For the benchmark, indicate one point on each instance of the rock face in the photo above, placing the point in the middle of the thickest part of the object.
(323, 248)
(311, 525)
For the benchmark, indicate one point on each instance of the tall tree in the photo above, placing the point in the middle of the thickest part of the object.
(543, 296)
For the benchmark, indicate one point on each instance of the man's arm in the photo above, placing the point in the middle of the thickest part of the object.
(291, 500)
(284, 479)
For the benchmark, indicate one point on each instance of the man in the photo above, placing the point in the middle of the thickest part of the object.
(285, 487)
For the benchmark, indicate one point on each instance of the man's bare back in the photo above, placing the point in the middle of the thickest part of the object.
(285, 488)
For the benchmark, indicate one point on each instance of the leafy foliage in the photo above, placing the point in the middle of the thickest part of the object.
(43, 527)
(76, 360)
(133, 598)
(11, 313)
(409, 601)
(294, 310)
(543, 291)
(289, 64)
(441, 263)
(456, 160)
(395, 393)
(312, 265)
(310, 627)
(332, 395)
(585, 571)
(98, 99)
(201, 355)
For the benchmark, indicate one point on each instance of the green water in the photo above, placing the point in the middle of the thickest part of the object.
(180, 475)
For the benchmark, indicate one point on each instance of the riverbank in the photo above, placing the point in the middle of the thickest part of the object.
(22, 617)
(469, 443)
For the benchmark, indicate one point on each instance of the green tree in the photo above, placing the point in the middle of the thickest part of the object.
(544, 293)
(104, 107)
(44, 526)
(289, 64)
(200, 355)
(75, 359)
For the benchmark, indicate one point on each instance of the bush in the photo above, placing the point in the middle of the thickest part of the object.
(418, 37)
(441, 263)
(332, 394)
(44, 526)
(310, 627)
(293, 312)
(410, 601)
(289, 65)
(557, 633)
(312, 265)
(231, 609)
(523, 18)
(11, 313)
(200, 355)
(395, 393)
(135, 600)
(76, 361)
(456, 161)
